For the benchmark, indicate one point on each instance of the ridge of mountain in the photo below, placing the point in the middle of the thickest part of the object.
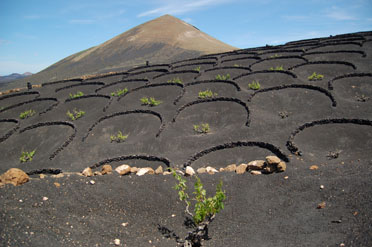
(13, 76)
(164, 39)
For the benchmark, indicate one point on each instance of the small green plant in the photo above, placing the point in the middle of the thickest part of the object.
(150, 101)
(119, 137)
(205, 208)
(27, 114)
(175, 80)
(77, 95)
(206, 94)
(202, 129)
(75, 114)
(277, 68)
(27, 156)
(255, 85)
(223, 77)
(119, 92)
(236, 65)
(315, 77)
(274, 56)
(197, 69)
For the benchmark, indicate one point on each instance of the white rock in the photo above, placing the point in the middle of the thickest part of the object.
(92, 182)
(189, 171)
(230, 168)
(123, 169)
(201, 170)
(255, 172)
(242, 168)
(45, 198)
(117, 242)
(256, 165)
(125, 224)
(159, 170)
(272, 159)
(282, 166)
(211, 170)
(87, 172)
(145, 170)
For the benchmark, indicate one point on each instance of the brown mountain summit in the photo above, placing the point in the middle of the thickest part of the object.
(164, 39)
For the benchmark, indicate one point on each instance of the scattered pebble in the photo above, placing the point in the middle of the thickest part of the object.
(125, 224)
(321, 187)
(42, 176)
(173, 215)
(256, 172)
(92, 182)
(117, 242)
(45, 198)
(314, 167)
(57, 185)
(321, 205)
(20, 200)
(286, 177)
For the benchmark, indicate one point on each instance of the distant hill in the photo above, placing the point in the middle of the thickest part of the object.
(164, 39)
(12, 77)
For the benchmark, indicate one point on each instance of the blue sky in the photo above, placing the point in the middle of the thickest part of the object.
(35, 34)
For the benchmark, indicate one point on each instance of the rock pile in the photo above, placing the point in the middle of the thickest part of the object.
(270, 165)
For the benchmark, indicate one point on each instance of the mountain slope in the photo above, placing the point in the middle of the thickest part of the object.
(164, 39)
(13, 76)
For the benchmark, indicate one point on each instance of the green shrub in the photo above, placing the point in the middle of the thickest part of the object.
(119, 137)
(150, 101)
(27, 156)
(315, 77)
(206, 94)
(274, 56)
(205, 208)
(202, 129)
(223, 77)
(197, 69)
(176, 80)
(77, 95)
(119, 92)
(255, 85)
(27, 114)
(277, 68)
(236, 65)
(75, 114)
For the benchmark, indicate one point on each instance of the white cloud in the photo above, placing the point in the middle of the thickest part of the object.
(182, 6)
(8, 67)
(339, 14)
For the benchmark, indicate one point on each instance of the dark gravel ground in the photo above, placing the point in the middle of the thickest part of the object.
(320, 119)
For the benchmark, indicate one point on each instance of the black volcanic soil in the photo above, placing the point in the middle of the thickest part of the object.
(301, 121)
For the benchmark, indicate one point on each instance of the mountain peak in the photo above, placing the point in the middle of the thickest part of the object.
(162, 40)
(175, 32)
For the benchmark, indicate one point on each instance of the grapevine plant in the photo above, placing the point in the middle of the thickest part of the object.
(205, 209)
